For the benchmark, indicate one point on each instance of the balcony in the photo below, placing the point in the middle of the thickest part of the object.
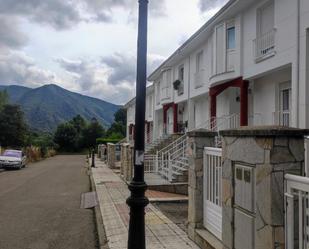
(264, 46)
(165, 93)
(282, 118)
(199, 78)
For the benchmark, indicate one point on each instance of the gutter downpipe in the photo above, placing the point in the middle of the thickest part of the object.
(189, 102)
(297, 65)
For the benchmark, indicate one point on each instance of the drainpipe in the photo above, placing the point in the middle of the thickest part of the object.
(189, 102)
(297, 65)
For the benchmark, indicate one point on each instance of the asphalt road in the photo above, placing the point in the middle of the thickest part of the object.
(40, 206)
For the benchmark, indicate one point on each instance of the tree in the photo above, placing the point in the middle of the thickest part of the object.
(119, 125)
(90, 134)
(79, 123)
(121, 116)
(66, 137)
(13, 128)
(117, 128)
(4, 99)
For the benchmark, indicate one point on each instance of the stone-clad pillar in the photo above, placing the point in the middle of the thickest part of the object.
(254, 164)
(126, 161)
(123, 158)
(197, 140)
(111, 155)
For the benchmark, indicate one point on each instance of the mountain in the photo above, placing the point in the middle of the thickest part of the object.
(47, 106)
(15, 92)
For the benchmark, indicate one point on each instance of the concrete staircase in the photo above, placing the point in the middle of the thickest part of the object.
(160, 143)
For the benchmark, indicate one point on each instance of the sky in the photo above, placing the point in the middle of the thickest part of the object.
(89, 46)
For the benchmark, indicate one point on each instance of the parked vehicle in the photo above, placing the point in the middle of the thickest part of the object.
(13, 159)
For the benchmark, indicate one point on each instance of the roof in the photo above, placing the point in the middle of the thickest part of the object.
(198, 33)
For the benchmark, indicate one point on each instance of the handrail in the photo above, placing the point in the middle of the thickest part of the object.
(172, 144)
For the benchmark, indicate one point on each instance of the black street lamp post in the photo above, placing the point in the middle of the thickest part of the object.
(92, 159)
(138, 201)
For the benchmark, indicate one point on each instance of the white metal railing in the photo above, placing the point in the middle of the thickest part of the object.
(221, 123)
(172, 159)
(165, 92)
(297, 212)
(212, 190)
(255, 119)
(150, 165)
(281, 118)
(199, 78)
(155, 142)
(265, 44)
(226, 122)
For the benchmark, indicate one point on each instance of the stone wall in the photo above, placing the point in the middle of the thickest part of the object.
(111, 156)
(270, 153)
(126, 161)
(197, 140)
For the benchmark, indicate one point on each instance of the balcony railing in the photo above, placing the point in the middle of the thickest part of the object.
(264, 45)
(281, 118)
(199, 79)
(165, 93)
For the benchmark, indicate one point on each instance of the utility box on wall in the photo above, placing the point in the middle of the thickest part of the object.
(245, 187)
(244, 207)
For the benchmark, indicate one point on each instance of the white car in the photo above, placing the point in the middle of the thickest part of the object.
(12, 159)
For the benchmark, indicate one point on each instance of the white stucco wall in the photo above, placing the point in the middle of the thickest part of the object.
(266, 94)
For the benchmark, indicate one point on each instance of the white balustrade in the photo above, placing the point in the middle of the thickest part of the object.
(264, 45)
(297, 211)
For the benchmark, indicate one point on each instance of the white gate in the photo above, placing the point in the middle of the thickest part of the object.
(297, 212)
(213, 190)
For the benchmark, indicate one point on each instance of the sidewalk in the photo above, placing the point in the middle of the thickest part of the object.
(112, 194)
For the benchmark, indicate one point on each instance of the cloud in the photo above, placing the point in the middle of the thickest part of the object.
(112, 78)
(10, 35)
(103, 10)
(18, 68)
(65, 14)
(123, 66)
(59, 14)
(206, 5)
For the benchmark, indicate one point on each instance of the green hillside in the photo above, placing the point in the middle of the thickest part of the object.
(47, 106)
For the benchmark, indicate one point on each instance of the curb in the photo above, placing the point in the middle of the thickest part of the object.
(103, 242)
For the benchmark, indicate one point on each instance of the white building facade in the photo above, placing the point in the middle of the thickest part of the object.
(246, 66)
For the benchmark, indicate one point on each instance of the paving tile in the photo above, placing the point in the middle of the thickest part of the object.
(112, 193)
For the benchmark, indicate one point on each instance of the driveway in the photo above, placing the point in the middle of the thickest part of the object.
(40, 206)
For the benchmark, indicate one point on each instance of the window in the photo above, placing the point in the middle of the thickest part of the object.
(165, 84)
(285, 106)
(181, 72)
(231, 38)
(265, 20)
(158, 93)
(199, 61)
(150, 106)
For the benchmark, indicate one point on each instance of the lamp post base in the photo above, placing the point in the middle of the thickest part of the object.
(137, 203)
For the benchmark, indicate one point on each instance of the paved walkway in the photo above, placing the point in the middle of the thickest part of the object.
(112, 194)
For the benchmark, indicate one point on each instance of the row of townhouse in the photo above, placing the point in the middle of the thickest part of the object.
(246, 66)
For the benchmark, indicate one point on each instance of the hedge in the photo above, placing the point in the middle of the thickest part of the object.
(108, 140)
